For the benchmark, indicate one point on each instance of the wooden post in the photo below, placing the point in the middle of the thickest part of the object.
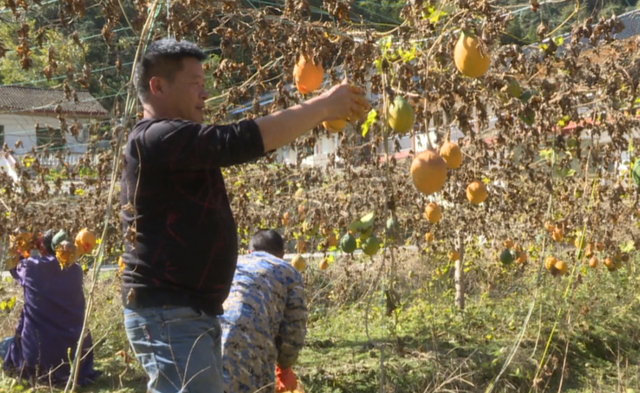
(413, 143)
(459, 274)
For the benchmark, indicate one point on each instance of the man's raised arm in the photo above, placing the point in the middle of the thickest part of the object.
(340, 102)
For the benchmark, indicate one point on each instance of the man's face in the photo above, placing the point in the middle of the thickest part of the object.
(185, 95)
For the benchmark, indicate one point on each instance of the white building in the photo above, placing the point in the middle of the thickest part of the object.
(28, 115)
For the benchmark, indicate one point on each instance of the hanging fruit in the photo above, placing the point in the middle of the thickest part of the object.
(334, 126)
(85, 241)
(549, 262)
(506, 257)
(558, 234)
(476, 192)
(401, 115)
(548, 226)
(371, 246)
(451, 154)
(432, 213)
(560, 268)
(298, 262)
(66, 254)
(348, 243)
(469, 58)
(428, 172)
(428, 237)
(332, 240)
(307, 75)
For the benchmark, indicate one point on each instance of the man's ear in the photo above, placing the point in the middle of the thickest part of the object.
(156, 85)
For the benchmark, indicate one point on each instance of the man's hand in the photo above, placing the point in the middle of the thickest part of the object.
(344, 101)
(285, 380)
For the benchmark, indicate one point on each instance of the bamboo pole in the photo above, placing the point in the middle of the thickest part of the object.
(459, 274)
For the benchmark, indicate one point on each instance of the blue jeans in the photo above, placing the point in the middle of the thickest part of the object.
(179, 348)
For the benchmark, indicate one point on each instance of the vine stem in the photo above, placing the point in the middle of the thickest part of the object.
(575, 11)
(388, 206)
(371, 292)
(385, 136)
(269, 66)
(75, 365)
(459, 273)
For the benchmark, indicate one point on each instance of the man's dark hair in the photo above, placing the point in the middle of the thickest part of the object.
(268, 241)
(163, 58)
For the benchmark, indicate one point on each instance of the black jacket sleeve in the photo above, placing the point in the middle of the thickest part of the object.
(182, 145)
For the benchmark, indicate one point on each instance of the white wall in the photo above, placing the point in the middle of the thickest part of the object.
(326, 144)
(286, 155)
(19, 126)
(7, 164)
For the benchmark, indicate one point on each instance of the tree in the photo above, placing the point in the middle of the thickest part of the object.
(514, 34)
(55, 45)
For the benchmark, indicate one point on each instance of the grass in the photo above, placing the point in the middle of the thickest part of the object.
(429, 346)
(426, 344)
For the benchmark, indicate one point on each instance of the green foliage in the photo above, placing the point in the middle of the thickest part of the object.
(363, 223)
(515, 33)
(67, 52)
(343, 356)
(635, 173)
(371, 118)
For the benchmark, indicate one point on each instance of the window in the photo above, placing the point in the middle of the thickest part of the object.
(1, 135)
(49, 138)
(84, 132)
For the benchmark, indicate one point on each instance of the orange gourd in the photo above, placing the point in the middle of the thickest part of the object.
(308, 76)
(334, 126)
(451, 154)
(85, 241)
(432, 213)
(560, 268)
(468, 58)
(476, 192)
(428, 237)
(428, 172)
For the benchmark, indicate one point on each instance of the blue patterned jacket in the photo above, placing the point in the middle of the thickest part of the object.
(264, 322)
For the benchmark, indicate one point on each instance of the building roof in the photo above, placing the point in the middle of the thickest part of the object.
(18, 99)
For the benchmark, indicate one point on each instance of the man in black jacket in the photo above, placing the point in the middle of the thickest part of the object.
(180, 235)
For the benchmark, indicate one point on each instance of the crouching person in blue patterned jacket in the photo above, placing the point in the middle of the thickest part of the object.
(264, 321)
